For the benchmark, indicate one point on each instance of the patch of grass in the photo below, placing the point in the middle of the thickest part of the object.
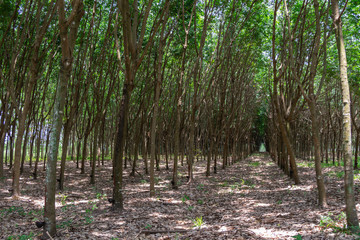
(101, 196)
(200, 187)
(336, 223)
(339, 174)
(237, 185)
(297, 237)
(269, 164)
(255, 164)
(306, 164)
(17, 210)
(248, 182)
(30, 236)
(356, 176)
(185, 198)
(198, 222)
(64, 224)
(63, 198)
(224, 184)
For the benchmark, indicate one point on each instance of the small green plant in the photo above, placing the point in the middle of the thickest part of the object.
(148, 226)
(64, 224)
(22, 237)
(101, 196)
(63, 198)
(198, 222)
(93, 205)
(255, 164)
(200, 187)
(224, 184)
(340, 174)
(297, 237)
(13, 210)
(337, 223)
(89, 219)
(279, 202)
(184, 198)
(190, 208)
(200, 201)
(143, 181)
(356, 176)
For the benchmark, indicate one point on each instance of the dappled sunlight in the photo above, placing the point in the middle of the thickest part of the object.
(270, 233)
(249, 200)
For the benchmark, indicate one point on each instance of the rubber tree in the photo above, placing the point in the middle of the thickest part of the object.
(351, 213)
(135, 49)
(68, 32)
(34, 74)
(277, 75)
(310, 95)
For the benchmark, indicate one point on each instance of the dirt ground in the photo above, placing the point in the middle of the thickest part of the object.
(251, 199)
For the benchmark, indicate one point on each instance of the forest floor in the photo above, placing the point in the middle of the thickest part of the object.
(251, 199)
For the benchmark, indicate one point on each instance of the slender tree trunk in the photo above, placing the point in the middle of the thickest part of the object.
(351, 213)
(119, 149)
(356, 150)
(144, 154)
(24, 150)
(66, 137)
(94, 154)
(2, 146)
(316, 140)
(83, 155)
(78, 149)
(38, 147)
(32, 141)
(67, 46)
(154, 118)
(12, 137)
(46, 149)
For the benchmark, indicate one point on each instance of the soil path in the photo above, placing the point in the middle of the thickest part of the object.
(252, 199)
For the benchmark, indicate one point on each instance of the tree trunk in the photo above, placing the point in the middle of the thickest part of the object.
(24, 150)
(316, 140)
(2, 146)
(78, 149)
(119, 149)
(32, 141)
(94, 154)
(84, 153)
(65, 144)
(351, 214)
(46, 149)
(38, 147)
(356, 150)
(67, 46)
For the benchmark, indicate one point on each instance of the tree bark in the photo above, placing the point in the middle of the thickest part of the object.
(67, 46)
(351, 213)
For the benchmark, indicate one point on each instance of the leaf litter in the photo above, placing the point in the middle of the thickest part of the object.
(251, 199)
